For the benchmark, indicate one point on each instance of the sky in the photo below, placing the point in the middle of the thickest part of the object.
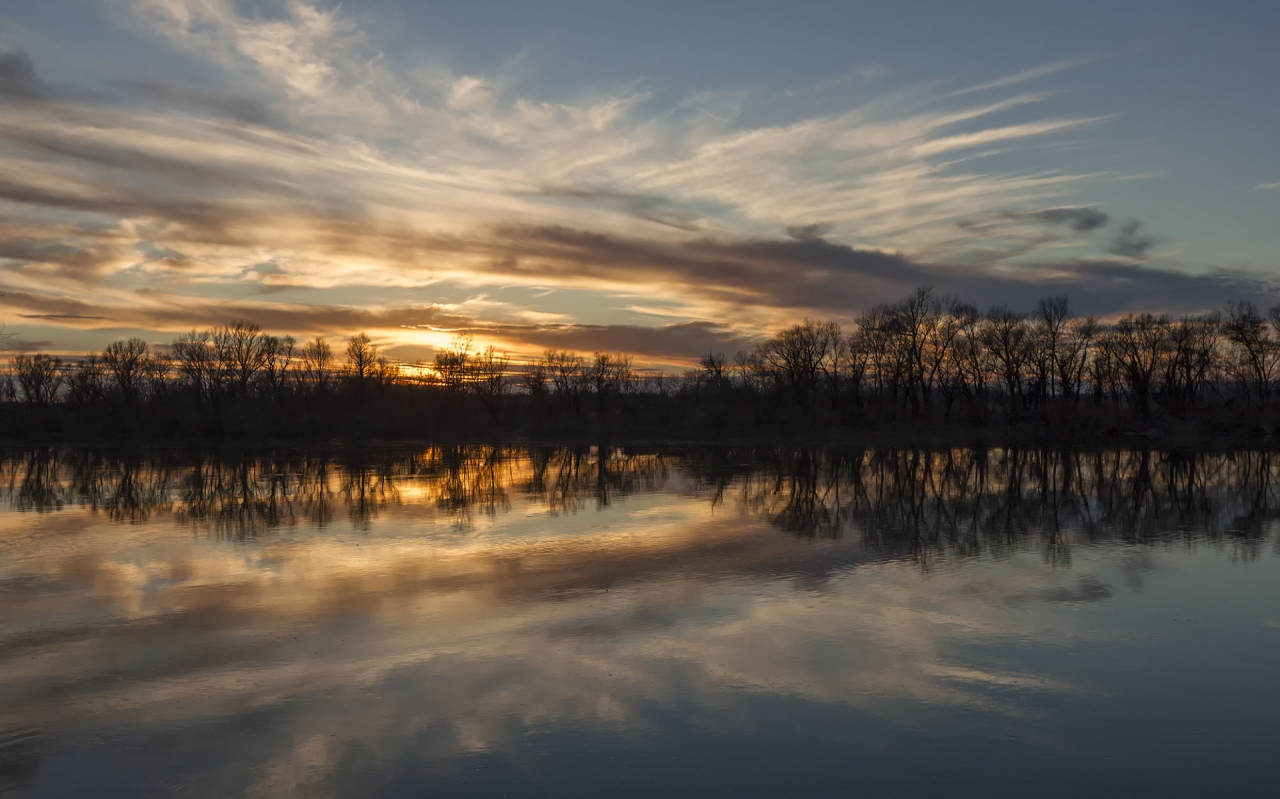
(664, 178)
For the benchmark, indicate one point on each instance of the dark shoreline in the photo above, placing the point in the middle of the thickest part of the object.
(996, 436)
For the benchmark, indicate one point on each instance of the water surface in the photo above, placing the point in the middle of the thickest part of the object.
(481, 621)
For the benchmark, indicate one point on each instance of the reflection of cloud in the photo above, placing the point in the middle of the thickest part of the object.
(1087, 589)
(440, 601)
(499, 636)
(485, 602)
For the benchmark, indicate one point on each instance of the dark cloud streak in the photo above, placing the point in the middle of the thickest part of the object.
(684, 341)
(1131, 242)
(18, 76)
(1081, 220)
(189, 313)
(241, 109)
(642, 206)
(814, 232)
(820, 276)
(675, 342)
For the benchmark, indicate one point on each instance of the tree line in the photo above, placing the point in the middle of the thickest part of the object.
(927, 360)
(934, 358)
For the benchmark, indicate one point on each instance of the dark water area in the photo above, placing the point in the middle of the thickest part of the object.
(558, 622)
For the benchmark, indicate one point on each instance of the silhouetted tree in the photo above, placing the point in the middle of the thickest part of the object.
(125, 363)
(362, 354)
(1142, 344)
(193, 355)
(1007, 338)
(39, 378)
(796, 357)
(240, 351)
(317, 363)
(453, 365)
(487, 378)
(1252, 352)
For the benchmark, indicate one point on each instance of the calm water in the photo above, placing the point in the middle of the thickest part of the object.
(555, 622)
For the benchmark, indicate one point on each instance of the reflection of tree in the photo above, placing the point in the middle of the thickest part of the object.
(136, 492)
(37, 482)
(564, 494)
(241, 498)
(566, 479)
(801, 499)
(918, 503)
(474, 480)
(315, 494)
(366, 489)
(902, 502)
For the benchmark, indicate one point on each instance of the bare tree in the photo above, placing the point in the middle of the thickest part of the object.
(125, 362)
(749, 368)
(857, 361)
(566, 370)
(924, 341)
(453, 365)
(1007, 337)
(240, 351)
(1193, 348)
(1105, 368)
(1253, 352)
(941, 323)
(277, 360)
(317, 363)
(156, 368)
(86, 384)
(796, 356)
(1051, 321)
(534, 378)
(1142, 344)
(362, 353)
(488, 378)
(955, 354)
(712, 374)
(1073, 353)
(384, 371)
(880, 334)
(194, 358)
(39, 377)
(608, 374)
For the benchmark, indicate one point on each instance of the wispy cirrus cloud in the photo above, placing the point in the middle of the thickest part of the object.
(316, 165)
(1026, 75)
